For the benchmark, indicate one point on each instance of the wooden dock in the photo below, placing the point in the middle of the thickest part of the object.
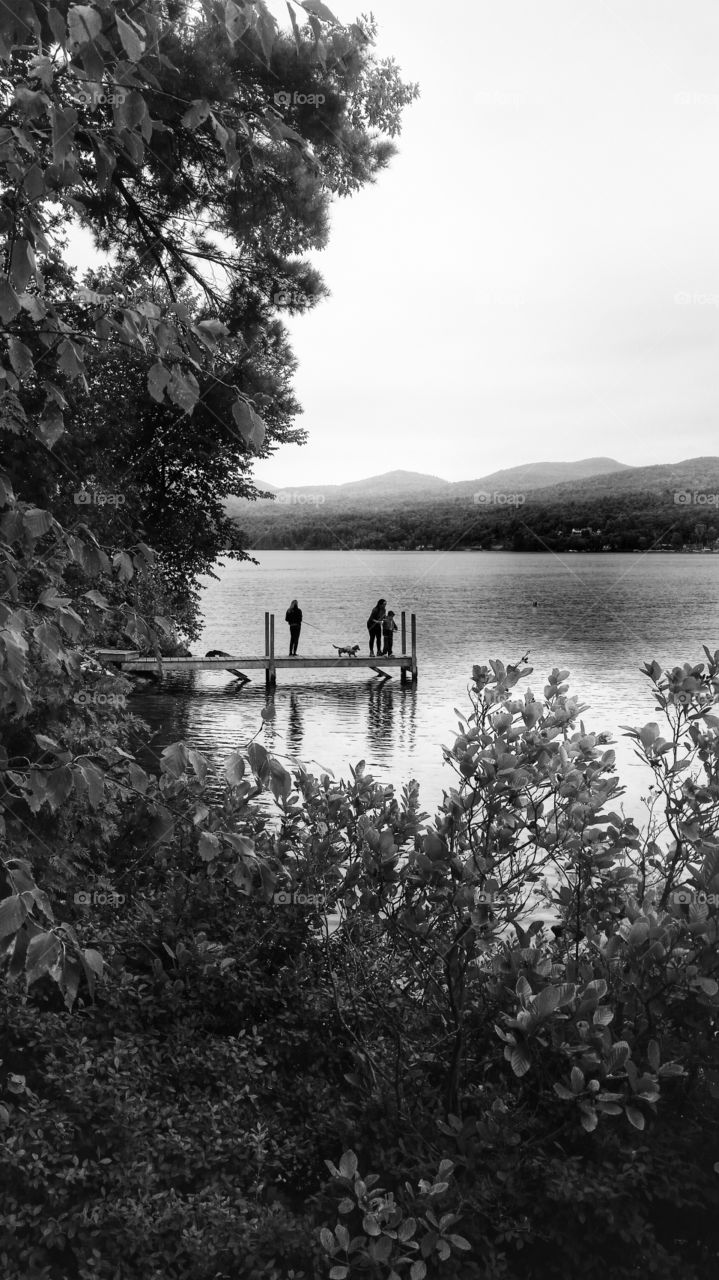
(131, 662)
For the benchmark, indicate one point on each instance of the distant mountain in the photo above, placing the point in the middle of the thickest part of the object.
(693, 475)
(401, 485)
(538, 475)
(410, 487)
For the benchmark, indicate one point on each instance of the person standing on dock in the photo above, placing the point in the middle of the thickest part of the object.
(374, 626)
(294, 617)
(389, 626)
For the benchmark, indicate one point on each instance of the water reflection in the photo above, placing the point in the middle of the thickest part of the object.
(313, 723)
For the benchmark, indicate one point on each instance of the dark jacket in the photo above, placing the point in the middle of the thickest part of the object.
(294, 617)
(376, 617)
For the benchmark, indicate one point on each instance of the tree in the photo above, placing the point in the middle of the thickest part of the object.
(159, 125)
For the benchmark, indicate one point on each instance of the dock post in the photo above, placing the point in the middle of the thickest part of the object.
(403, 642)
(273, 671)
(267, 649)
(413, 619)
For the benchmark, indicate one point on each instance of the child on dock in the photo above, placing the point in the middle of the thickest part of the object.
(389, 626)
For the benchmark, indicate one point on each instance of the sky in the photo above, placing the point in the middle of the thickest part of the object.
(536, 275)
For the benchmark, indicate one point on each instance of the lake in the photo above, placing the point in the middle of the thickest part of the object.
(600, 616)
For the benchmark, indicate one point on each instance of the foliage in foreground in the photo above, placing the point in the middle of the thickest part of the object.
(440, 1087)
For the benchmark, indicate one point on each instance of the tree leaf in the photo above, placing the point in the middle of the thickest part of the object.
(132, 44)
(12, 913)
(43, 953)
(348, 1164)
(84, 24)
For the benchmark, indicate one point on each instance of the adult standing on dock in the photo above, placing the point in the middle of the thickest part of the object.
(374, 626)
(294, 617)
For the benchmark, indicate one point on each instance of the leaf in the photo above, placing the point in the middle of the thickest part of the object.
(94, 961)
(12, 913)
(183, 389)
(634, 1117)
(132, 44)
(251, 426)
(589, 1119)
(209, 846)
(197, 113)
(459, 1242)
(617, 1055)
(37, 522)
(9, 302)
(269, 712)
(63, 132)
(519, 1061)
(51, 426)
(122, 562)
(84, 24)
(43, 952)
(258, 758)
(234, 769)
(348, 1164)
(319, 10)
(236, 20)
(339, 1273)
(327, 1239)
(577, 1079)
(602, 1016)
(653, 1055)
(547, 1001)
(20, 358)
(418, 1270)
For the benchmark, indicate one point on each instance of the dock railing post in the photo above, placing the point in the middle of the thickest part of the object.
(403, 636)
(273, 674)
(413, 620)
(267, 649)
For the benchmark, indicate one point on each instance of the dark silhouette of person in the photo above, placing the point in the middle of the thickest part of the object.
(389, 626)
(294, 617)
(374, 626)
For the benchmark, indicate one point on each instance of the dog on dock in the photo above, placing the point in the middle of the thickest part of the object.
(350, 650)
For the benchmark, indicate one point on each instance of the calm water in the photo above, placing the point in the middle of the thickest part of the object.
(600, 616)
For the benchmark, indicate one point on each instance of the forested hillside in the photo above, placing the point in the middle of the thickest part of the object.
(632, 509)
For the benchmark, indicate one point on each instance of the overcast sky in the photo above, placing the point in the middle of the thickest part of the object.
(536, 276)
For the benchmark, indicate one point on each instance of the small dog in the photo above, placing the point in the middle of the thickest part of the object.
(350, 650)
